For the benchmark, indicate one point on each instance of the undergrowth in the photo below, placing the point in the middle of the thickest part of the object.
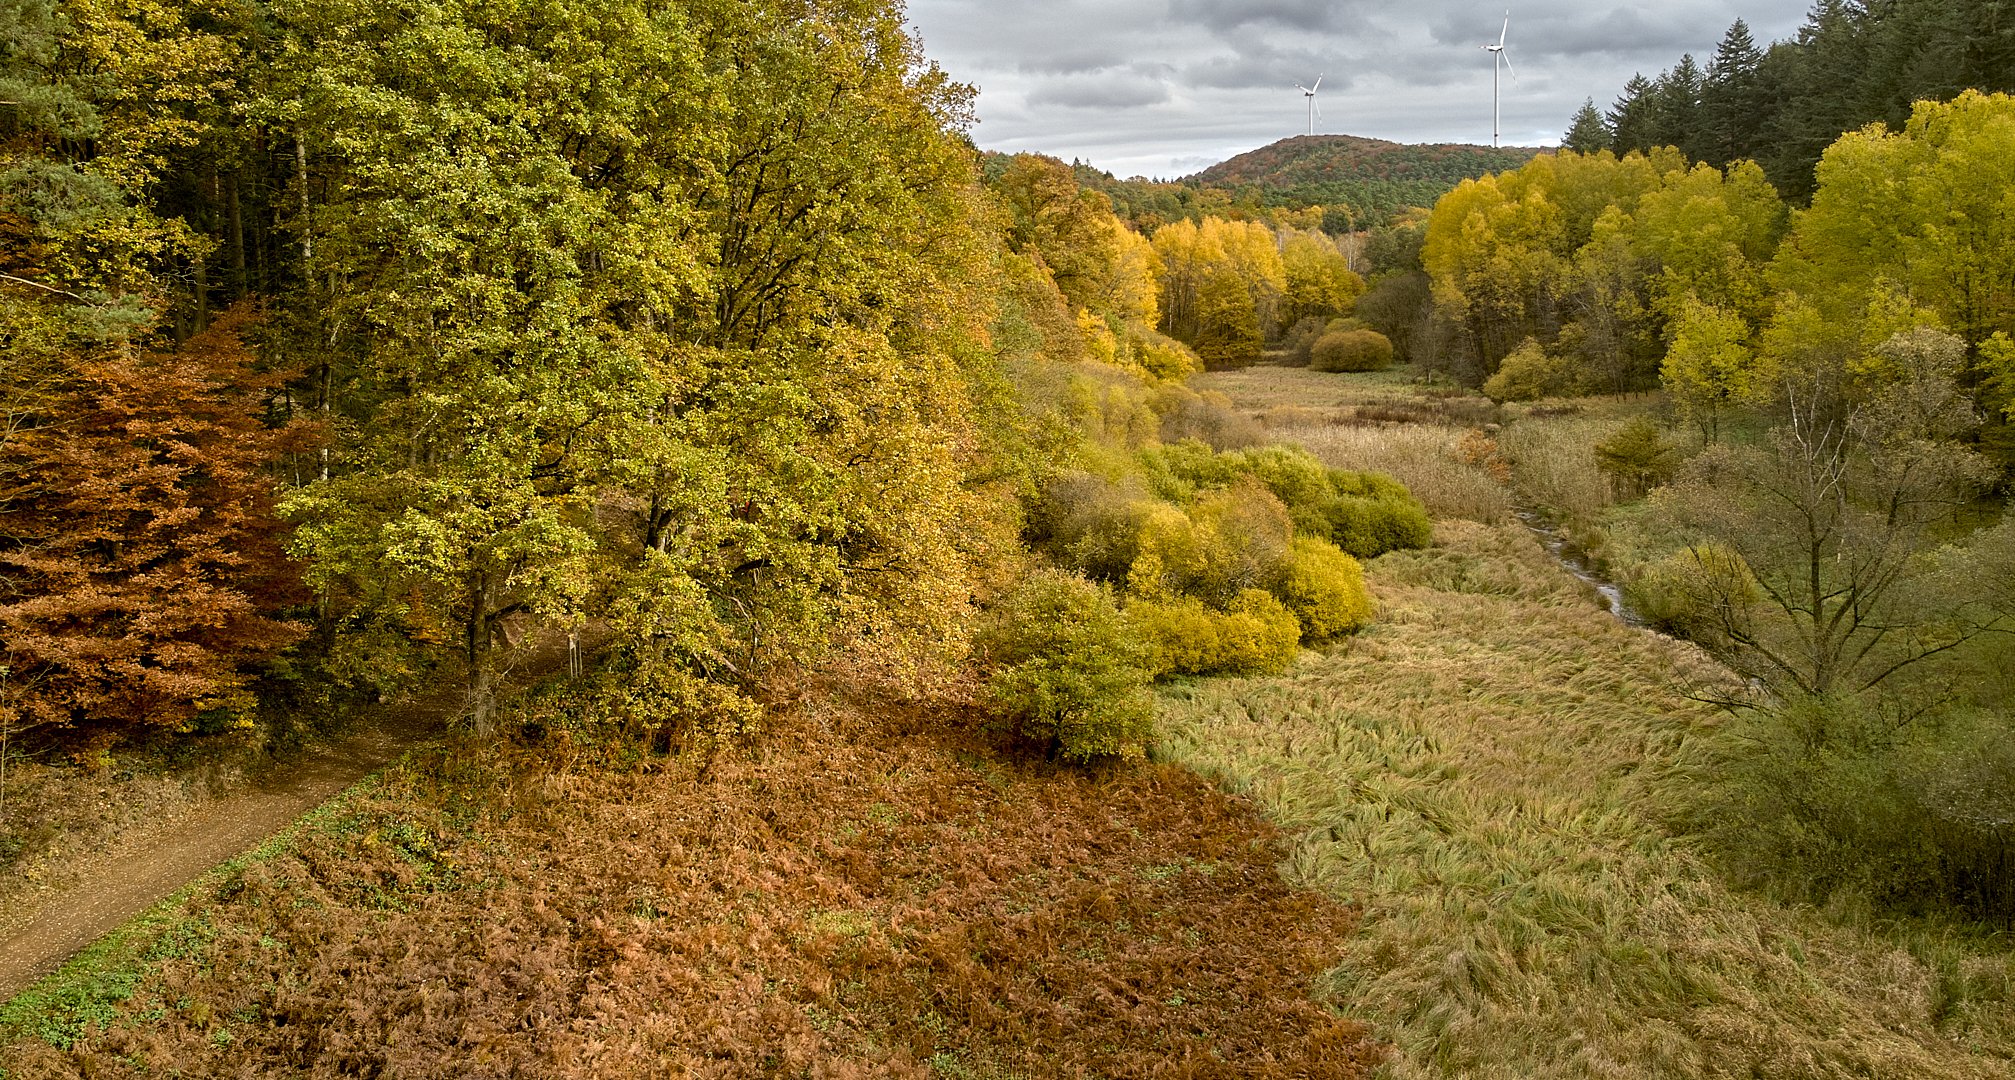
(869, 891)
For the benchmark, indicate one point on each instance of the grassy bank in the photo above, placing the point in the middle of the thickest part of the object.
(1491, 771)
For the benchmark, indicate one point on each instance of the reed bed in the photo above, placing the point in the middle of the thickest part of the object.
(1429, 460)
(1487, 771)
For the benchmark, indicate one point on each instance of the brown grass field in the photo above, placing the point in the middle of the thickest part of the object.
(870, 892)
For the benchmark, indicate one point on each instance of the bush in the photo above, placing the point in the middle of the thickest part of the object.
(1067, 670)
(1636, 459)
(1145, 349)
(1528, 374)
(1365, 514)
(1301, 338)
(1230, 540)
(1257, 634)
(1207, 417)
(1371, 514)
(1091, 523)
(1819, 797)
(1690, 591)
(1352, 350)
(1324, 588)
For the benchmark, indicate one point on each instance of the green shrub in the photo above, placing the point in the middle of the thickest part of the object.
(1819, 798)
(1254, 635)
(1365, 514)
(1528, 374)
(1371, 514)
(1636, 459)
(1230, 539)
(1692, 591)
(1301, 338)
(1294, 475)
(1067, 670)
(1351, 350)
(1324, 588)
(1207, 418)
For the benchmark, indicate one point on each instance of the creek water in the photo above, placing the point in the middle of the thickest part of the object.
(1577, 562)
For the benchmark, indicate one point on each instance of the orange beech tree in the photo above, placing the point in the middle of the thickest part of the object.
(140, 564)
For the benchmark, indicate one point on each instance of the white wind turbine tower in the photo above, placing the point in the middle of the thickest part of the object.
(1501, 61)
(1314, 110)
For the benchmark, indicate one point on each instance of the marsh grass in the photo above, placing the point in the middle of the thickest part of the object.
(1488, 771)
(1428, 459)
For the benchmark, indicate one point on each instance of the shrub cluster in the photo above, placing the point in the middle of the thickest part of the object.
(1528, 374)
(1254, 634)
(1365, 514)
(1182, 560)
(1822, 797)
(1351, 350)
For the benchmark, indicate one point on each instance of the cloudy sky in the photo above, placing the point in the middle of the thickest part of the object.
(1165, 87)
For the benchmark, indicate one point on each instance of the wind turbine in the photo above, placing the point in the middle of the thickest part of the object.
(1314, 110)
(1500, 61)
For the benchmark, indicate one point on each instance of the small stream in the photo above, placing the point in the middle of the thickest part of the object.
(1577, 562)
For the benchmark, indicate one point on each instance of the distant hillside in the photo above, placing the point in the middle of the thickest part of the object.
(1375, 177)
(1319, 159)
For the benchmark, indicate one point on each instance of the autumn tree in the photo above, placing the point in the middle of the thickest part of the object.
(1829, 522)
(142, 563)
(1711, 368)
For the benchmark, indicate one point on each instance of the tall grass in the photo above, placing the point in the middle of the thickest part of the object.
(1553, 463)
(1427, 459)
(1486, 771)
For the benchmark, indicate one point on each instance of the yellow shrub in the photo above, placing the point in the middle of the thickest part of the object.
(1324, 588)
(1256, 635)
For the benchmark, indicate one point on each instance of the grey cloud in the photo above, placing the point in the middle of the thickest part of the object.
(1157, 86)
(1117, 90)
(1224, 15)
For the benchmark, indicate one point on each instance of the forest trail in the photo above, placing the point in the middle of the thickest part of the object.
(149, 865)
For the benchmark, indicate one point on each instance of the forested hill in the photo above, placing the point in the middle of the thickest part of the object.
(1376, 177)
(1324, 159)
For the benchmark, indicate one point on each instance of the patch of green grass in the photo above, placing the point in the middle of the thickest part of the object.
(1488, 770)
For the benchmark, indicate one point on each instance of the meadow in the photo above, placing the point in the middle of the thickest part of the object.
(1497, 771)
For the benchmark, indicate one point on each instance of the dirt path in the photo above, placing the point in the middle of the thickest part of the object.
(150, 864)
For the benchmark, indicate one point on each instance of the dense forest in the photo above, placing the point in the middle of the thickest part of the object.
(877, 492)
(347, 347)
(1853, 63)
(1375, 179)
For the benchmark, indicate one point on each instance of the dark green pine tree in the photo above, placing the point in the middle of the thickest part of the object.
(1630, 119)
(1818, 92)
(1587, 132)
(1675, 111)
(1732, 105)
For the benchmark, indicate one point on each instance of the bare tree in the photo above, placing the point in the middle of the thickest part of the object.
(1815, 573)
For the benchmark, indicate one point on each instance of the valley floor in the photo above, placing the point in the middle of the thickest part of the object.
(1498, 771)
(1452, 846)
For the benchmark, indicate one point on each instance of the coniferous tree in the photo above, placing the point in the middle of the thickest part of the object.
(1731, 105)
(1587, 132)
(1632, 120)
(1675, 109)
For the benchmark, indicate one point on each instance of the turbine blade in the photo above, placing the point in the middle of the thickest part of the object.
(1318, 109)
(1505, 30)
(1508, 67)
(1317, 86)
